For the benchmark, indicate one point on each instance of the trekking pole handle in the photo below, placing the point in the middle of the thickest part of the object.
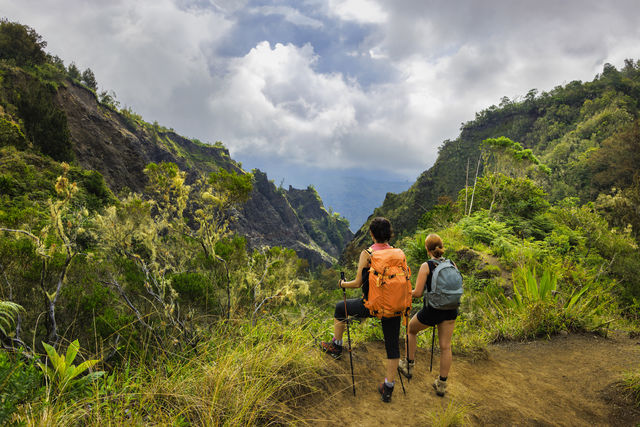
(342, 279)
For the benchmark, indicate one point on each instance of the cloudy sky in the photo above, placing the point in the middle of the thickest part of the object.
(309, 85)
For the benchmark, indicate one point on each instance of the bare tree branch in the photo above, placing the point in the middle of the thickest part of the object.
(126, 299)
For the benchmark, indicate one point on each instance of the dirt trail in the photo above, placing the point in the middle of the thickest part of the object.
(568, 381)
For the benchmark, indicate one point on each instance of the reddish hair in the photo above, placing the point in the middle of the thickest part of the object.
(434, 246)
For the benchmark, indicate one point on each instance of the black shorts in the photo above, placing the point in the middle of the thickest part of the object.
(431, 317)
(390, 325)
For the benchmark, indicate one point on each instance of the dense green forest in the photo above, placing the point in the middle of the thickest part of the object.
(146, 308)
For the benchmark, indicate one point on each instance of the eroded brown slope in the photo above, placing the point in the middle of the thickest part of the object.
(105, 141)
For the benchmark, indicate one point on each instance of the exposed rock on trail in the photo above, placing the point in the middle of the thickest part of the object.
(568, 381)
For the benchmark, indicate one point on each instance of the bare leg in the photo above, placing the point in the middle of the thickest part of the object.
(338, 328)
(414, 327)
(392, 368)
(445, 332)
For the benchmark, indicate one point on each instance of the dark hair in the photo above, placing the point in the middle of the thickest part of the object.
(381, 229)
(433, 244)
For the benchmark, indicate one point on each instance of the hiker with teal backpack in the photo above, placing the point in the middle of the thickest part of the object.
(384, 276)
(440, 282)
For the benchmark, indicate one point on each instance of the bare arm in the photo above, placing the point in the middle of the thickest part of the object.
(363, 262)
(421, 281)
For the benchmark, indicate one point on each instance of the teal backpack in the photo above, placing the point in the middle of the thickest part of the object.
(446, 286)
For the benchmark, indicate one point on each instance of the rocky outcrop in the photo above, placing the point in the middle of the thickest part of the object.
(268, 219)
(119, 147)
(329, 230)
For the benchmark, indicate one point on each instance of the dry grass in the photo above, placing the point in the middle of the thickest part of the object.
(452, 414)
(253, 376)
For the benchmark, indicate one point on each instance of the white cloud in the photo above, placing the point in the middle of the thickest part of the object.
(444, 62)
(145, 50)
(273, 101)
(364, 11)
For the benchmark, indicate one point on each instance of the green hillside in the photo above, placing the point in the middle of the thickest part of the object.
(131, 296)
(587, 133)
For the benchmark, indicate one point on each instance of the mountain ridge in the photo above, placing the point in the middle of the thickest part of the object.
(576, 129)
(119, 144)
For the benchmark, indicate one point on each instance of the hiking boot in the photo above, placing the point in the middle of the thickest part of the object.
(439, 386)
(385, 392)
(405, 367)
(331, 348)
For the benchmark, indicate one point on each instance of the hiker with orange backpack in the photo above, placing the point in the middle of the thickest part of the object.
(440, 282)
(384, 275)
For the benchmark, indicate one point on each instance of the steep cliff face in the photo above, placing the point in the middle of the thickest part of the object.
(119, 148)
(329, 230)
(268, 219)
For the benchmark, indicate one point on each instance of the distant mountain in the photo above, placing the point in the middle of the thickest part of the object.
(355, 197)
(353, 193)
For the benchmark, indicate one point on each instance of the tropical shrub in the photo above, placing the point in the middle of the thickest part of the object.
(20, 382)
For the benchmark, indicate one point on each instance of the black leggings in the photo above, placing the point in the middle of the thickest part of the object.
(390, 325)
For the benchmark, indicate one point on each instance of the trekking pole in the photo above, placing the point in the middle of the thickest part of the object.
(401, 382)
(346, 319)
(400, 373)
(406, 344)
(433, 340)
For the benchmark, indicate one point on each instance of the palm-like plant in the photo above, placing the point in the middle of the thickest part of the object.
(62, 374)
(527, 288)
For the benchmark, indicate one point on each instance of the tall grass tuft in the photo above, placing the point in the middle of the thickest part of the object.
(537, 309)
(240, 376)
(453, 414)
(632, 384)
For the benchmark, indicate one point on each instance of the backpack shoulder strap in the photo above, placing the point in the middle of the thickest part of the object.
(434, 273)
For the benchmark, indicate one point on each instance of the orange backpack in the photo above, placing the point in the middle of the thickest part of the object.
(389, 285)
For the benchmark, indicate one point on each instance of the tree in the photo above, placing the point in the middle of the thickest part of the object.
(273, 276)
(89, 79)
(74, 72)
(161, 234)
(504, 157)
(510, 158)
(615, 163)
(130, 234)
(21, 44)
(57, 243)
(621, 208)
(507, 196)
(219, 196)
(108, 98)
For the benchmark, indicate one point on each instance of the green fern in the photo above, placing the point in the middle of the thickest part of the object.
(8, 311)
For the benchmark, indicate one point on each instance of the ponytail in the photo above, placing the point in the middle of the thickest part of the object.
(434, 245)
